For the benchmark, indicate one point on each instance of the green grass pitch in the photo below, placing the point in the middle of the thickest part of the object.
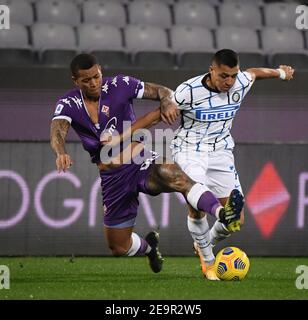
(130, 278)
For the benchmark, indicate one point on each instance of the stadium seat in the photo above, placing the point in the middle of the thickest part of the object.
(57, 58)
(99, 37)
(74, 1)
(53, 36)
(240, 14)
(15, 37)
(101, 11)
(16, 57)
(211, 2)
(298, 61)
(282, 40)
(113, 59)
(149, 45)
(154, 60)
(21, 11)
(14, 46)
(53, 11)
(280, 14)
(191, 39)
(168, 2)
(146, 12)
(250, 60)
(146, 38)
(124, 2)
(55, 43)
(238, 39)
(196, 60)
(254, 2)
(195, 13)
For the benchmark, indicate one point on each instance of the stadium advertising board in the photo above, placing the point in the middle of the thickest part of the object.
(46, 213)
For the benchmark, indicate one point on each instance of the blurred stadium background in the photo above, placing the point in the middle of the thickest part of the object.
(167, 42)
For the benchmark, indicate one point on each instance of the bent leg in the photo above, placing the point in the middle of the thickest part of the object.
(119, 240)
(124, 242)
(171, 178)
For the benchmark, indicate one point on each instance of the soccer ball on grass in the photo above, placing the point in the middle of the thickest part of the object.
(231, 264)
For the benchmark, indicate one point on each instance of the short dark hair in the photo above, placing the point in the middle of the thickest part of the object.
(226, 57)
(82, 61)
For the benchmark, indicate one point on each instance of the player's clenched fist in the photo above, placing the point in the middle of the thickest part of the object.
(63, 162)
(289, 71)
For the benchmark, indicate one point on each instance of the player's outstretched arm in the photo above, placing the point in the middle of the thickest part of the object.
(144, 122)
(169, 109)
(58, 132)
(283, 72)
(147, 121)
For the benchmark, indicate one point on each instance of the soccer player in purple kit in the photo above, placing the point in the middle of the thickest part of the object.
(99, 102)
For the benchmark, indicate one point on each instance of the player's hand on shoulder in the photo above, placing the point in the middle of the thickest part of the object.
(288, 70)
(169, 111)
(63, 162)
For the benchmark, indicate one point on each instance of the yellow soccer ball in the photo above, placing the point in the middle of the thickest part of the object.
(231, 264)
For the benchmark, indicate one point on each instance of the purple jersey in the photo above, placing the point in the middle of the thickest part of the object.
(115, 106)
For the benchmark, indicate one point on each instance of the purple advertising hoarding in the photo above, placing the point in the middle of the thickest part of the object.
(26, 114)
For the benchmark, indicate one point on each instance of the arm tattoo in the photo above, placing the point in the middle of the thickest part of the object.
(58, 131)
(156, 92)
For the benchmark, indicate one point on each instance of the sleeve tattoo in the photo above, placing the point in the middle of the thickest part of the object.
(156, 92)
(58, 132)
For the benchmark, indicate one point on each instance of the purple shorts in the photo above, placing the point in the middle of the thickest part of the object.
(120, 190)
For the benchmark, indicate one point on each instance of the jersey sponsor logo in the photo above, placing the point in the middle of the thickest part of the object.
(59, 108)
(109, 129)
(236, 96)
(206, 115)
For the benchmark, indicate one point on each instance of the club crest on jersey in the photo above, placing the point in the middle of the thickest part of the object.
(105, 110)
(236, 97)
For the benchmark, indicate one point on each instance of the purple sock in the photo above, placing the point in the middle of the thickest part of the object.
(143, 248)
(208, 203)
